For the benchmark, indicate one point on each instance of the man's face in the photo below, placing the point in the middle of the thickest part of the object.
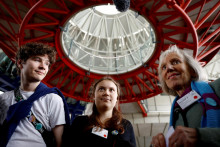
(35, 68)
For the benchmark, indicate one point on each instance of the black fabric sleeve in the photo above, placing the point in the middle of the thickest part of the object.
(128, 138)
(72, 133)
(209, 137)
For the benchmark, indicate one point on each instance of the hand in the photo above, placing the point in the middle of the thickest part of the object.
(183, 136)
(158, 141)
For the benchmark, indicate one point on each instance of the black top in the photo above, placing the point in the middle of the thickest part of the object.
(75, 136)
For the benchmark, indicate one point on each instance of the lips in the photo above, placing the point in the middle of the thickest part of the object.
(105, 99)
(40, 73)
(173, 75)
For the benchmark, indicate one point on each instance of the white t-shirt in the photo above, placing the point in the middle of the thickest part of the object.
(48, 109)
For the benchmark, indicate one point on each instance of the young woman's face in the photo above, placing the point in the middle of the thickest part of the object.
(105, 95)
(175, 72)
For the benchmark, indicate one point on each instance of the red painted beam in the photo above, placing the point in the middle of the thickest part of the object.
(142, 109)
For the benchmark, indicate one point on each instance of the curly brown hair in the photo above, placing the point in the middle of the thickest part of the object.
(115, 122)
(33, 49)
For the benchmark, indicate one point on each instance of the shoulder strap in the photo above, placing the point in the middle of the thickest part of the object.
(201, 87)
(210, 103)
(172, 111)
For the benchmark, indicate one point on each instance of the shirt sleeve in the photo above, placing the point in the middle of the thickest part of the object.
(209, 137)
(4, 105)
(216, 87)
(73, 133)
(3, 110)
(57, 112)
(128, 138)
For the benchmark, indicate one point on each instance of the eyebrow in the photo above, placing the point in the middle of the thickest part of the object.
(179, 59)
(101, 87)
(106, 87)
(38, 56)
(175, 58)
(162, 64)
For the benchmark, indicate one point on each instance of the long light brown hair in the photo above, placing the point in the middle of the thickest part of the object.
(115, 122)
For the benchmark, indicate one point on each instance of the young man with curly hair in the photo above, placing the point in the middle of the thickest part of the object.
(34, 110)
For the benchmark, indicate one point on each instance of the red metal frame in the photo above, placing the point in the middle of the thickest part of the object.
(17, 28)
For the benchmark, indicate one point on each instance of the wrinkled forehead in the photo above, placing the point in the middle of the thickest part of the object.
(170, 55)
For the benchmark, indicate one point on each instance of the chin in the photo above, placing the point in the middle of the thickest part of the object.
(37, 80)
(175, 85)
(106, 106)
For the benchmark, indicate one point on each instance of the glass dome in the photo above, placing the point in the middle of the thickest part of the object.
(108, 42)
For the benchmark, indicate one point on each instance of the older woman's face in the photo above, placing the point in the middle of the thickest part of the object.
(175, 72)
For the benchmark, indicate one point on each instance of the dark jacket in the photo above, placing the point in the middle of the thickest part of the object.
(75, 136)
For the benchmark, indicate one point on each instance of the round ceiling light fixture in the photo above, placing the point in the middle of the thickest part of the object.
(105, 41)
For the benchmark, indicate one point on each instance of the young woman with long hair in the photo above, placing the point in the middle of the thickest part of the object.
(105, 126)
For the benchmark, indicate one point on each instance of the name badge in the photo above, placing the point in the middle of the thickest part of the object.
(188, 99)
(100, 132)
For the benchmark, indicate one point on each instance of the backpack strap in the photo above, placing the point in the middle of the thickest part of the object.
(210, 103)
(201, 87)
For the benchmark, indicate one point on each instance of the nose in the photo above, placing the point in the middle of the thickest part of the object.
(169, 68)
(43, 65)
(106, 92)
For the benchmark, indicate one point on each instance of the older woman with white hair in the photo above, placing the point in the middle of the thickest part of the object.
(195, 112)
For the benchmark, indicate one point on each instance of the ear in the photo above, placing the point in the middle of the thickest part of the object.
(19, 64)
(93, 98)
(117, 105)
